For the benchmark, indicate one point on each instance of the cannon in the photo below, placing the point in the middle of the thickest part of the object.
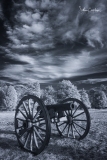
(33, 121)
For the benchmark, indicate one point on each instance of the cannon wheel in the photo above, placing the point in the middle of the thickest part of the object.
(76, 121)
(32, 124)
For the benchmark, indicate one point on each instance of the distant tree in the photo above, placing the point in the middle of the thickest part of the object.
(99, 100)
(2, 84)
(49, 100)
(41, 93)
(2, 100)
(103, 88)
(67, 89)
(49, 90)
(49, 95)
(85, 98)
(91, 93)
(33, 88)
(11, 98)
(4, 87)
(21, 90)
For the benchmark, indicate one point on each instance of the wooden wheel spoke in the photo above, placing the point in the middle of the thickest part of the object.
(36, 114)
(64, 128)
(35, 139)
(44, 130)
(31, 141)
(29, 107)
(66, 113)
(42, 124)
(20, 119)
(61, 124)
(33, 109)
(23, 114)
(80, 126)
(84, 120)
(69, 113)
(19, 127)
(76, 110)
(26, 140)
(37, 133)
(72, 131)
(76, 130)
(68, 130)
(39, 120)
(25, 108)
(24, 131)
(78, 114)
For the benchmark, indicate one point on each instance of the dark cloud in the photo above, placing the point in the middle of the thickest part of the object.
(6, 60)
(7, 79)
(57, 25)
(53, 39)
(79, 79)
(93, 81)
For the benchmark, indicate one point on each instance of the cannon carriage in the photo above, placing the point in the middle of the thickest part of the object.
(33, 122)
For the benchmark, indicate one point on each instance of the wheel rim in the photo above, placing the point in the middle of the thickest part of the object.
(76, 122)
(32, 124)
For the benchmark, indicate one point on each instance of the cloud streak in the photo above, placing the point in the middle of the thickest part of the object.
(53, 40)
(92, 81)
(36, 26)
(48, 67)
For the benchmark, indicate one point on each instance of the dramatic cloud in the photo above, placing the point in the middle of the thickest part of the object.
(38, 23)
(93, 81)
(46, 67)
(49, 40)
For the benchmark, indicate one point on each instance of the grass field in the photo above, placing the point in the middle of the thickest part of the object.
(93, 147)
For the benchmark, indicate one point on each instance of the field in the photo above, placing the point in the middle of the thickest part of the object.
(93, 147)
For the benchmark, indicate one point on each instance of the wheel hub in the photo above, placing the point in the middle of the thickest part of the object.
(25, 124)
(28, 124)
(70, 119)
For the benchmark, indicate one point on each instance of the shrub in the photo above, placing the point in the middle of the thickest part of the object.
(2, 100)
(99, 99)
(49, 95)
(85, 98)
(66, 89)
(11, 98)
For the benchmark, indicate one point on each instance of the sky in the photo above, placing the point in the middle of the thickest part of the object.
(52, 40)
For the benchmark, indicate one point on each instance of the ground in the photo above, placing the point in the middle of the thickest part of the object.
(93, 147)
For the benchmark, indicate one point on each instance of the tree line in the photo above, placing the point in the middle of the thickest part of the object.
(10, 95)
(93, 98)
(65, 89)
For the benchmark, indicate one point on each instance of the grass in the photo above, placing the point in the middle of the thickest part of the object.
(93, 147)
